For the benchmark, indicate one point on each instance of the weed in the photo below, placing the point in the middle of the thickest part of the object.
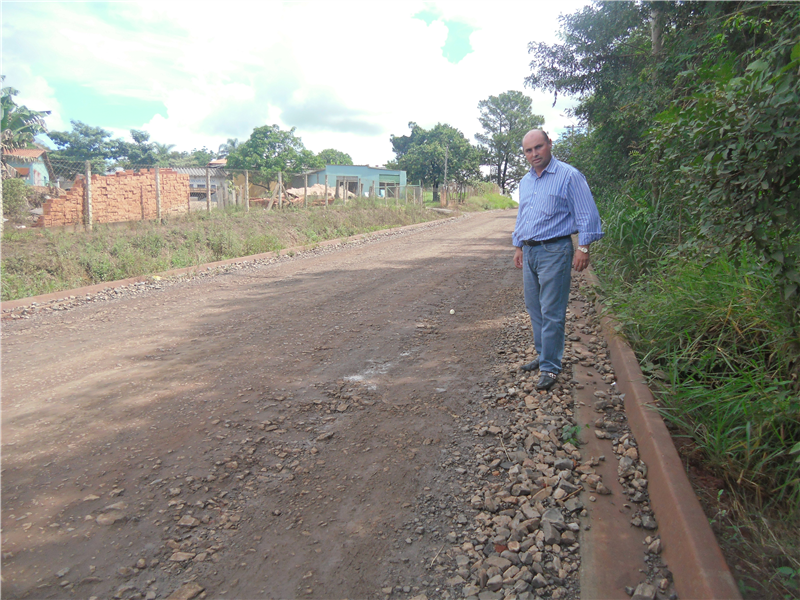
(572, 435)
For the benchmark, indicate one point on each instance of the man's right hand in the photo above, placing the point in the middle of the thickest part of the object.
(518, 258)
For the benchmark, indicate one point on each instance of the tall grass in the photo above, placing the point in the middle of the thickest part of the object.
(490, 201)
(41, 261)
(719, 345)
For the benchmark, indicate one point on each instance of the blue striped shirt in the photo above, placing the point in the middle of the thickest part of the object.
(557, 203)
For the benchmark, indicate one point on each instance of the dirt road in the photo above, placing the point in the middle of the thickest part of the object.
(319, 426)
(282, 425)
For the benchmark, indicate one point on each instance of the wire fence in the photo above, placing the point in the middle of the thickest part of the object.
(74, 193)
(87, 192)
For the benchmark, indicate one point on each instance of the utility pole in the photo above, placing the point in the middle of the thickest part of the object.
(443, 199)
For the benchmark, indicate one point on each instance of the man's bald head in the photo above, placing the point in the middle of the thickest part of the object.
(541, 132)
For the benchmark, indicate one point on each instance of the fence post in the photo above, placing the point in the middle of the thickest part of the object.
(326, 190)
(305, 191)
(87, 211)
(280, 190)
(247, 191)
(208, 189)
(158, 195)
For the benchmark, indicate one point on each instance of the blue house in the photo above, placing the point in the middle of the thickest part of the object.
(32, 165)
(361, 180)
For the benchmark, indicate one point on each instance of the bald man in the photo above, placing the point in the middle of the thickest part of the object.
(554, 203)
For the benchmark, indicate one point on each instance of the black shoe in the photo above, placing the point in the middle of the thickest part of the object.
(531, 366)
(546, 381)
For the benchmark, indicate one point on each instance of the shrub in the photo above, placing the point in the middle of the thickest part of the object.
(15, 200)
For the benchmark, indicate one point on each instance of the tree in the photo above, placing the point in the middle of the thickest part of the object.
(163, 153)
(228, 147)
(424, 153)
(505, 120)
(141, 152)
(270, 150)
(18, 127)
(605, 51)
(20, 124)
(335, 157)
(195, 158)
(84, 143)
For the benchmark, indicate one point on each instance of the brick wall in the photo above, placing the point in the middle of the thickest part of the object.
(125, 196)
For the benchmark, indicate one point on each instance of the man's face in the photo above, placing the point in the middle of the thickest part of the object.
(537, 150)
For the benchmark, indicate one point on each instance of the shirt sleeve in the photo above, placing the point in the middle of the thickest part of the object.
(584, 209)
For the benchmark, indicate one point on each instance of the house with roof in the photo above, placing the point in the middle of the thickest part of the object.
(30, 164)
(197, 181)
(217, 163)
(361, 180)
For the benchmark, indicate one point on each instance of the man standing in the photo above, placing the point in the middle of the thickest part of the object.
(554, 203)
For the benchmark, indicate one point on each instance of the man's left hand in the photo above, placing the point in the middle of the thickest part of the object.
(580, 261)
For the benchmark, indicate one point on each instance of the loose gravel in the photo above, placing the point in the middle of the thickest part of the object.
(517, 486)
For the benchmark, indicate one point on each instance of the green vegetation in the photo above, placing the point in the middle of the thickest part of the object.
(271, 150)
(505, 120)
(19, 124)
(690, 139)
(490, 201)
(331, 156)
(15, 200)
(95, 144)
(18, 127)
(42, 261)
(426, 154)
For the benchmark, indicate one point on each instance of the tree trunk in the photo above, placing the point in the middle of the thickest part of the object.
(657, 28)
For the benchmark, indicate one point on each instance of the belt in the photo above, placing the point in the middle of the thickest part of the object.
(540, 242)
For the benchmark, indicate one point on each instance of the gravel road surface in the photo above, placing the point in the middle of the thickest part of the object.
(314, 426)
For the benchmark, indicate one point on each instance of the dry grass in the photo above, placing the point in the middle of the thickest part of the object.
(36, 261)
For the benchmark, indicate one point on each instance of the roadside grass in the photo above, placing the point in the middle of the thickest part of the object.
(488, 201)
(723, 358)
(36, 261)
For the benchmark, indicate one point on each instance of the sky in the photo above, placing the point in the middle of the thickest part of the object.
(345, 74)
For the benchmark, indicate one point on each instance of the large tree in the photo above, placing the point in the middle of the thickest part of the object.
(604, 51)
(425, 153)
(696, 104)
(271, 149)
(335, 157)
(142, 151)
(228, 147)
(505, 120)
(86, 142)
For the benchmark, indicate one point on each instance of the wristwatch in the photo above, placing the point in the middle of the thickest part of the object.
(584, 249)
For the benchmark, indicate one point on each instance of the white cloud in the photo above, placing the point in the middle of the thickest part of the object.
(34, 92)
(322, 67)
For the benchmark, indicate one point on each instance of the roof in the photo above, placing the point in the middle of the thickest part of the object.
(218, 162)
(215, 173)
(25, 152)
(345, 166)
